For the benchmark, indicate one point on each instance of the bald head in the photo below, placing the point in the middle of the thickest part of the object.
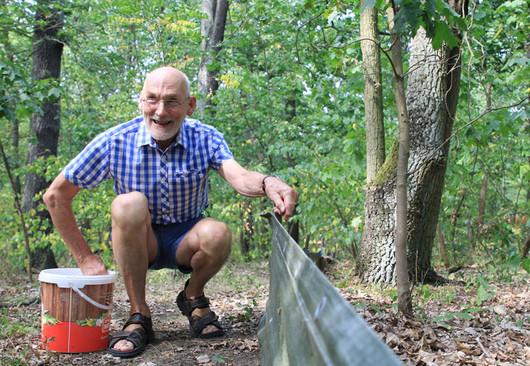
(168, 77)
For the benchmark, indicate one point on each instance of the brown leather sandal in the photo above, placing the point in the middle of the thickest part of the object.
(197, 324)
(139, 337)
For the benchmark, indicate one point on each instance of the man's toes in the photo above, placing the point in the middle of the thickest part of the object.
(123, 346)
(209, 329)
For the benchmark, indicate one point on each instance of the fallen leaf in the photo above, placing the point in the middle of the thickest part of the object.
(500, 309)
(203, 359)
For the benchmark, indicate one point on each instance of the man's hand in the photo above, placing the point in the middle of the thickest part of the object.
(251, 184)
(282, 195)
(92, 265)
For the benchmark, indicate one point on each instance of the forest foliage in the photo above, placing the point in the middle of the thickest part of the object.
(276, 55)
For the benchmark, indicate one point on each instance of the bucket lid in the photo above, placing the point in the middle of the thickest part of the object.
(73, 277)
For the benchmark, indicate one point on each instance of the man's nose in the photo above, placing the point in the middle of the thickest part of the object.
(161, 108)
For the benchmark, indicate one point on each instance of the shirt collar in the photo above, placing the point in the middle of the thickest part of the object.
(183, 138)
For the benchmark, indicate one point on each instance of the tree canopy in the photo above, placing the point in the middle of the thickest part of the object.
(290, 103)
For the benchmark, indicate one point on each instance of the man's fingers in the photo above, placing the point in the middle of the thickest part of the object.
(284, 203)
(284, 198)
(93, 265)
(290, 201)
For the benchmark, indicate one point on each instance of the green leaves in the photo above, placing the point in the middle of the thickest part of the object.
(435, 16)
(277, 54)
(442, 34)
(483, 294)
(371, 4)
(525, 263)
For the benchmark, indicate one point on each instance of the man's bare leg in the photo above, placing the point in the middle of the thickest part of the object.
(205, 249)
(134, 246)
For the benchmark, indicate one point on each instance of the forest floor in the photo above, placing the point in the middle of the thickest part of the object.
(486, 322)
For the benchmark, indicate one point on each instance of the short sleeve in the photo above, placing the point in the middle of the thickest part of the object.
(221, 152)
(91, 166)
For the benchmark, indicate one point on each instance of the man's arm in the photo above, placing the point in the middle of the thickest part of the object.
(250, 184)
(58, 198)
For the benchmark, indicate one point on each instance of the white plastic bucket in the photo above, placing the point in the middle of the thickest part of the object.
(76, 310)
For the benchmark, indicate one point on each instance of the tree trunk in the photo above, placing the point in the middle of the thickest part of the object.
(19, 211)
(482, 202)
(247, 231)
(15, 135)
(212, 30)
(293, 226)
(373, 92)
(47, 53)
(402, 275)
(375, 262)
(432, 95)
(443, 248)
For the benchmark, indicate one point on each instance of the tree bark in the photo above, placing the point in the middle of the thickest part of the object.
(47, 53)
(432, 96)
(443, 248)
(482, 202)
(376, 262)
(247, 231)
(212, 30)
(373, 92)
(526, 248)
(402, 275)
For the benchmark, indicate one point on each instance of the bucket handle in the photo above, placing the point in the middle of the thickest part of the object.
(96, 304)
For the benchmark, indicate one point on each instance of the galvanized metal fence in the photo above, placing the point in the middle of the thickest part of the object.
(307, 321)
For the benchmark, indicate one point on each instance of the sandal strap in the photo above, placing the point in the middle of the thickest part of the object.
(144, 321)
(136, 337)
(187, 306)
(198, 303)
(198, 324)
(138, 318)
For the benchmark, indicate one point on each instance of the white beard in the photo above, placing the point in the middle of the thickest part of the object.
(161, 132)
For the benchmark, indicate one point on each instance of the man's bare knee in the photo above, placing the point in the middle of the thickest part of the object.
(129, 209)
(219, 239)
(210, 241)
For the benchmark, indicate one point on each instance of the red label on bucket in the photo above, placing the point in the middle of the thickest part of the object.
(87, 335)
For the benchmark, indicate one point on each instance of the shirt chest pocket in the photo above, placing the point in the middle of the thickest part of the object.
(188, 175)
(189, 182)
(189, 187)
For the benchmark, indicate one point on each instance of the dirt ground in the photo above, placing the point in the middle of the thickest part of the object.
(237, 295)
(449, 328)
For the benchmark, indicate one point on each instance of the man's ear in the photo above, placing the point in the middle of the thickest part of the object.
(191, 106)
(140, 107)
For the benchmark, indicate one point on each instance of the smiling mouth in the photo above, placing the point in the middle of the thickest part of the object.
(161, 123)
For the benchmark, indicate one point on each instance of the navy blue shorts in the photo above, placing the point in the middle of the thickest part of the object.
(169, 237)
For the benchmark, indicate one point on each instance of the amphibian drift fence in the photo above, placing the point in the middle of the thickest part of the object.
(307, 321)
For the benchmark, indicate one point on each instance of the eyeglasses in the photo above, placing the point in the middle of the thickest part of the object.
(169, 104)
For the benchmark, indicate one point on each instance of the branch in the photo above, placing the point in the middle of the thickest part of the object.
(19, 304)
(19, 210)
(485, 112)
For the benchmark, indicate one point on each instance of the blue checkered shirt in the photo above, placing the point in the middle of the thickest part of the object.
(175, 182)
